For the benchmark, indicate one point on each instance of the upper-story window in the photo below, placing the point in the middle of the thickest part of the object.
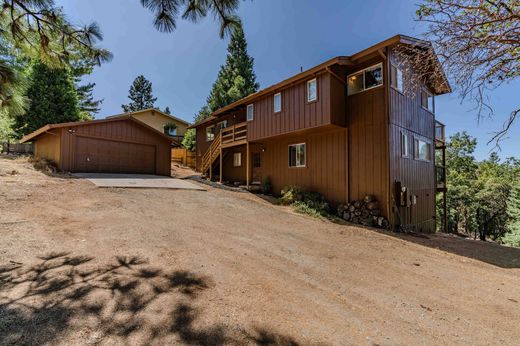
(405, 151)
(422, 150)
(427, 100)
(396, 78)
(368, 78)
(277, 102)
(250, 112)
(210, 133)
(312, 90)
(222, 125)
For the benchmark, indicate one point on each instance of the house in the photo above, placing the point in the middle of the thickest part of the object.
(351, 126)
(114, 145)
(160, 121)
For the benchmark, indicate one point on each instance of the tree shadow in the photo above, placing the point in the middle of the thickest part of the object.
(488, 252)
(126, 301)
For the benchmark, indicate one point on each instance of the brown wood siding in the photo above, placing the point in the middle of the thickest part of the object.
(408, 117)
(297, 114)
(48, 146)
(233, 174)
(105, 135)
(326, 160)
(368, 148)
(200, 132)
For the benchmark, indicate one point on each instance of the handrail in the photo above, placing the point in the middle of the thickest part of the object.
(234, 133)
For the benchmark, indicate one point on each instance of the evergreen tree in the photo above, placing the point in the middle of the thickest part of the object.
(141, 95)
(167, 110)
(236, 79)
(53, 99)
(513, 210)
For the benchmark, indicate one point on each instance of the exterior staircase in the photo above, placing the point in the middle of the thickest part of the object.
(211, 154)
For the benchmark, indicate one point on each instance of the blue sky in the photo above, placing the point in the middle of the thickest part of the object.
(283, 35)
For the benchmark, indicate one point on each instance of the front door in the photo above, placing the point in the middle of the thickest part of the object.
(257, 167)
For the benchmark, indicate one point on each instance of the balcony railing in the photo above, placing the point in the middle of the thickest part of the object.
(440, 135)
(440, 176)
(234, 133)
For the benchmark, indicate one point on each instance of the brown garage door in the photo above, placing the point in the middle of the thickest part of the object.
(106, 156)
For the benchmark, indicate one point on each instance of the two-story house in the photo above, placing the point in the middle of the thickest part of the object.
(344, 128)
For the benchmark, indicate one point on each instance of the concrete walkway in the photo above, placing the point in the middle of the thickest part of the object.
(137, 180)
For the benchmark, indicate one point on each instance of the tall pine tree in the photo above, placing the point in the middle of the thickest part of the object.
(236, 80)
(53, 99)
(141, 95)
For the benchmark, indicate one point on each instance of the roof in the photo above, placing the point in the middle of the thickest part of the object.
(48, 127)
(148, 110)
(339, 60)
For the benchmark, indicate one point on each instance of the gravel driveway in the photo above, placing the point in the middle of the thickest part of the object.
(82, 265)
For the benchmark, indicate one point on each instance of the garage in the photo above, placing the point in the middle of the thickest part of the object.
(114, 145)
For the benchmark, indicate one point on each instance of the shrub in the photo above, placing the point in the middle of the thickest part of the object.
(311, 203)
(266, 185)
(43, 165)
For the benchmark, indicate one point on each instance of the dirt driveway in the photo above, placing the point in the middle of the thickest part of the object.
(83, 265)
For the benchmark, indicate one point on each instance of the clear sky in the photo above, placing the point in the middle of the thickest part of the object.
(283, 35)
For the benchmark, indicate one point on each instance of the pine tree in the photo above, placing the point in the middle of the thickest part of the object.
(513, 210)
(53, 99)
(87, 105)
(141, 95)
(236, 79)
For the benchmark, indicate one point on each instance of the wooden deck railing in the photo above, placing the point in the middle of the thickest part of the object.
(234, 133)
(440, 135)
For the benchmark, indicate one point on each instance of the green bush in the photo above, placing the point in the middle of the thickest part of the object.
(310, 203)
(266, 185)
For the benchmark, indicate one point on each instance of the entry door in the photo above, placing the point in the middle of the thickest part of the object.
(257, 166)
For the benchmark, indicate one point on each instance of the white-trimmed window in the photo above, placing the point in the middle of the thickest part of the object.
(210, 133)
(368, 78)
(277, 102)
(405, 151)
(422, 150)
(312, 90)
(427, 100)
(237, 159)
(396, 78)
(222, 125)
(297, 155)
(250, 112)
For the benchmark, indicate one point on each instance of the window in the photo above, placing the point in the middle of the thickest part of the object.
(312, 94)
(396, 78)
(427, 100)
(237, 159)
(297, 155)
(250, 112)
(277, 102)
(222, 125)
(368, 78)
(404, 145)
(422, 150)
(210, 133)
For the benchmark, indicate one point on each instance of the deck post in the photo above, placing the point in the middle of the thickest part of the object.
(247, 165)
(220, 176)
(210, 164)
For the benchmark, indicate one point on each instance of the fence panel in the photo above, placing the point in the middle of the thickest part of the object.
(17, 148)
(184, 157)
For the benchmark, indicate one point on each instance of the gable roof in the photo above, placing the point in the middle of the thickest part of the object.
(148, 110)
(443, 88)
(33, 135)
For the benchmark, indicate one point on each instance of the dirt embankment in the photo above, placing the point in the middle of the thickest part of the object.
(82, 265)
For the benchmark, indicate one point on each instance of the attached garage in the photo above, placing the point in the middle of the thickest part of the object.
(117, 145)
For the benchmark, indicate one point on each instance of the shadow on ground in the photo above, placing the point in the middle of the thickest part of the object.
(68, 298)
(488, 252)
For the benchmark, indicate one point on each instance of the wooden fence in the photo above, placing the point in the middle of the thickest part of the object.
(184, 157)
(16, 148)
